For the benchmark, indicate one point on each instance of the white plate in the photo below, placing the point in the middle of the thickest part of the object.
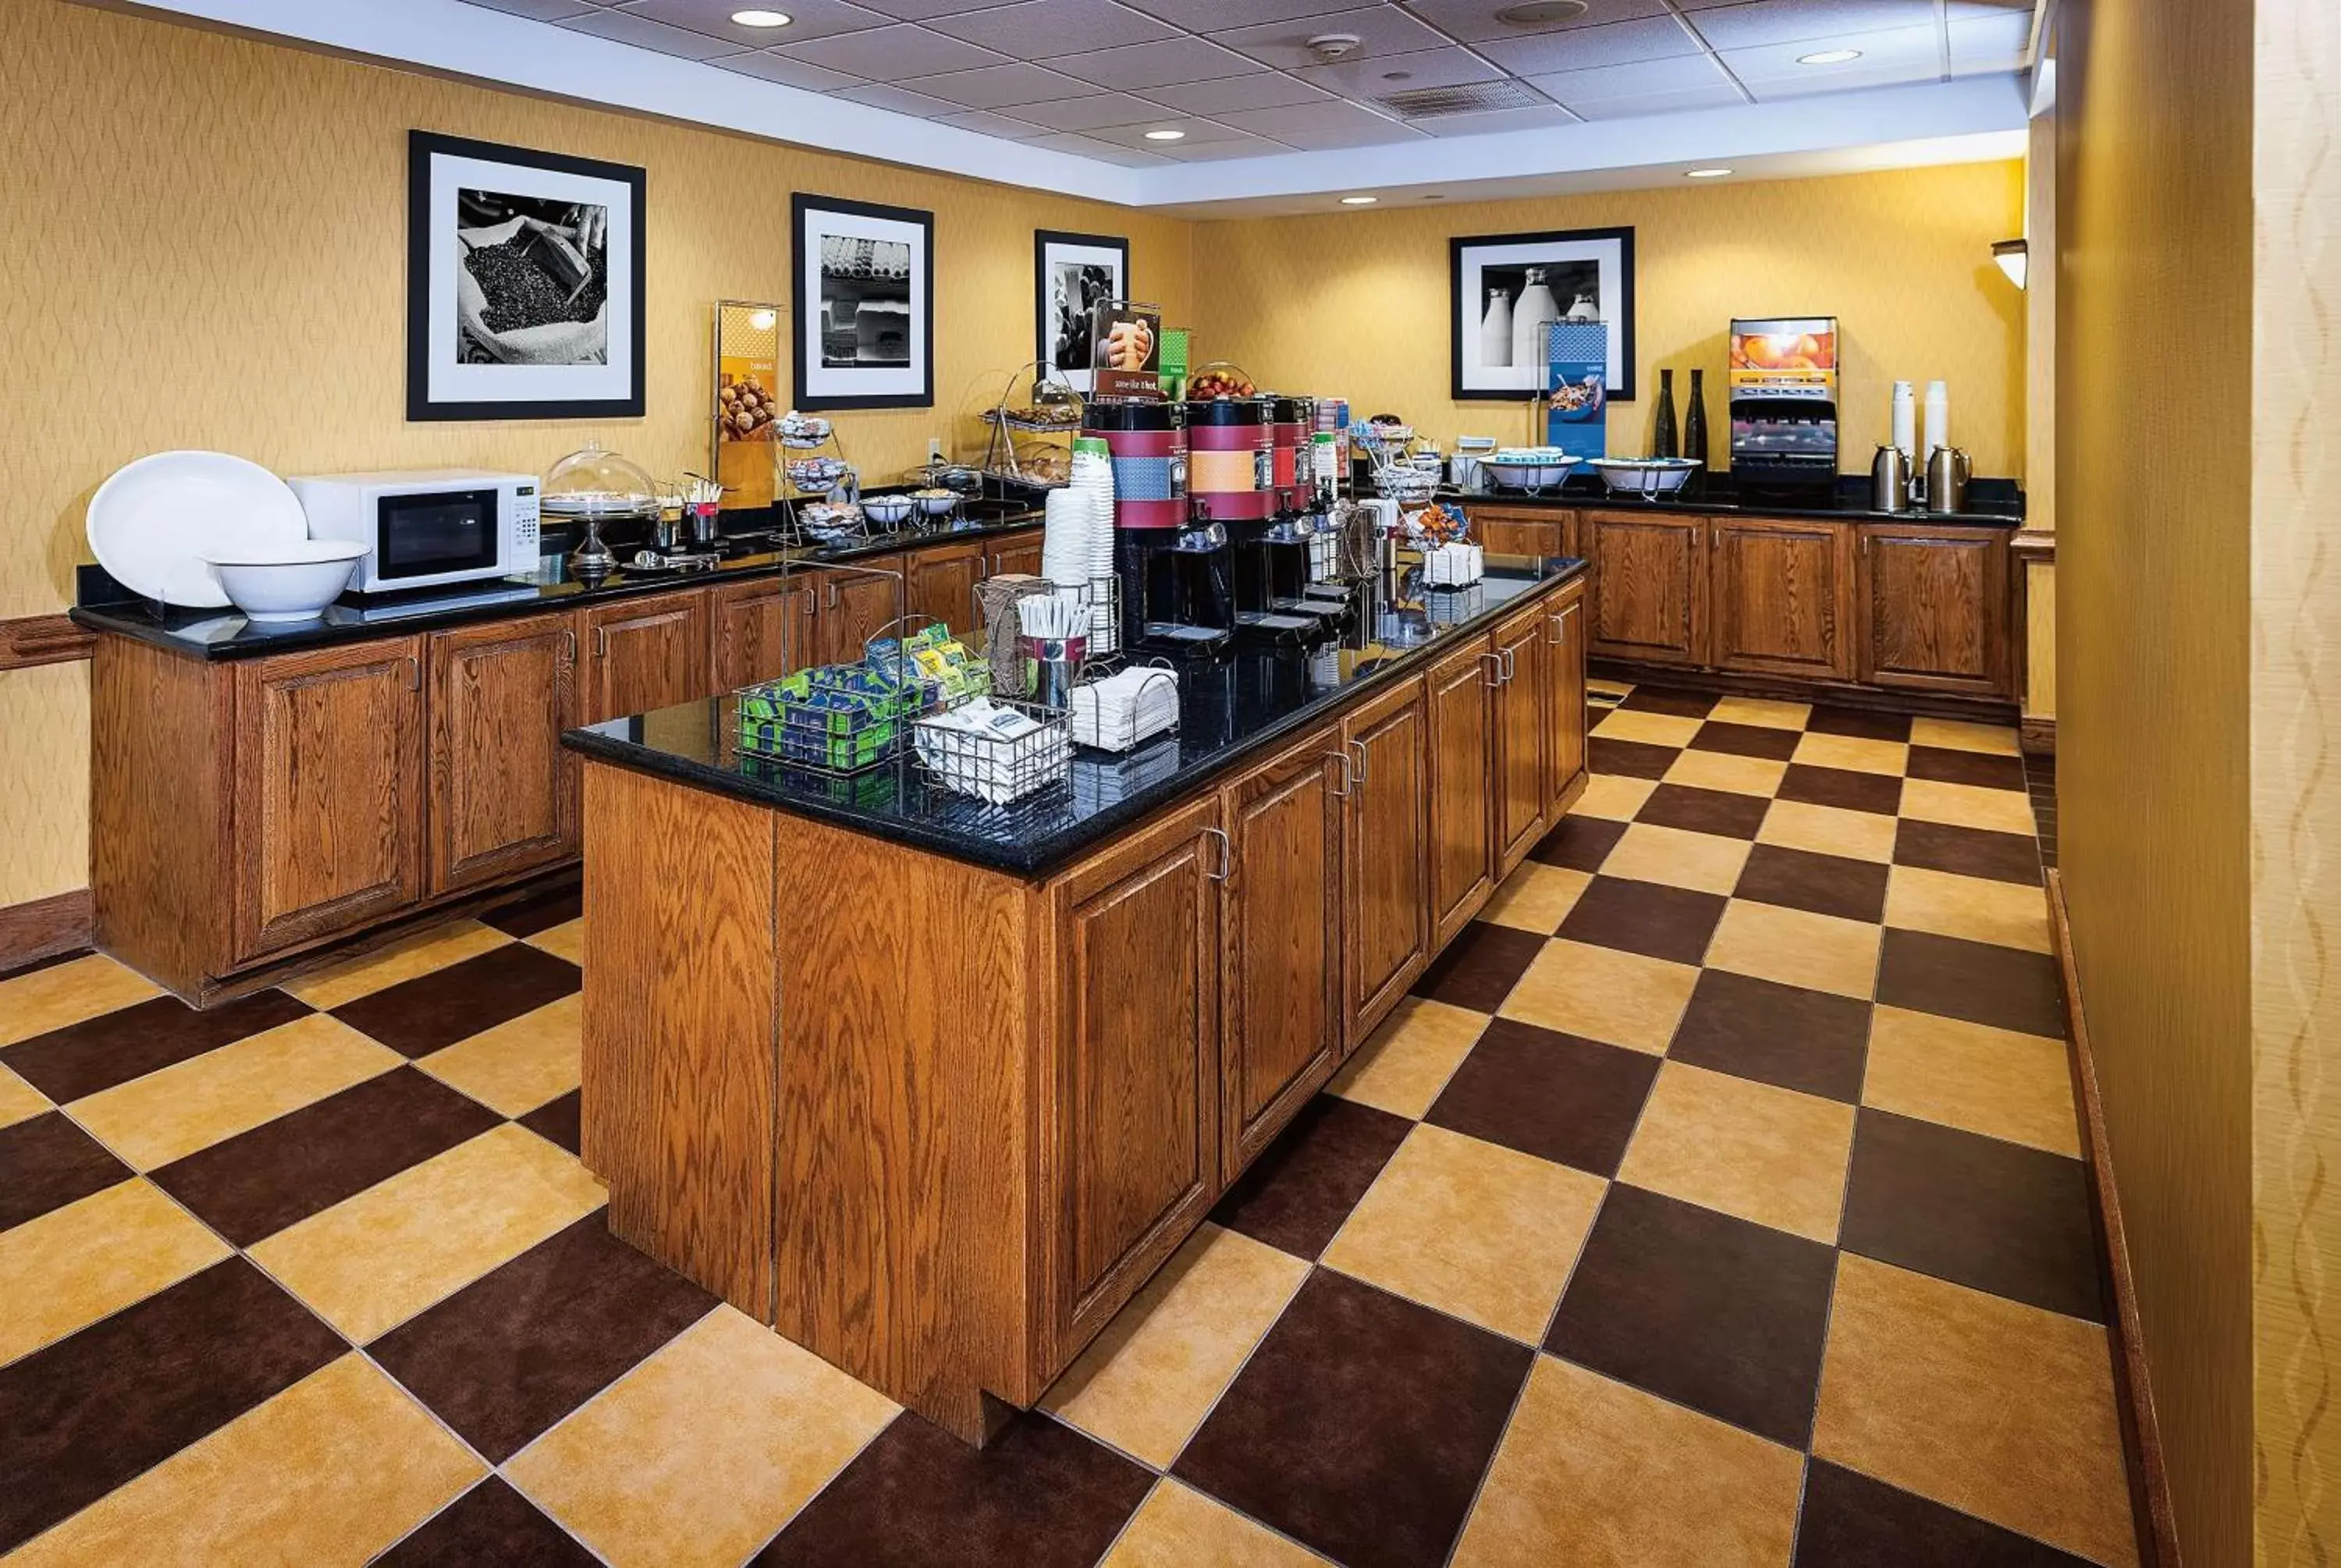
(154, 521)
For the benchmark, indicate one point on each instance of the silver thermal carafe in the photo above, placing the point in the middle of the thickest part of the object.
(1889, 480)
(1947, 472)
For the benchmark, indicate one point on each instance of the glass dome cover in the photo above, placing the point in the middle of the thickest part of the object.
(594, 481)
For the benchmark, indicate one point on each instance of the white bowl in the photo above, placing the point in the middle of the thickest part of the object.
(291, 580)
(1644, 476)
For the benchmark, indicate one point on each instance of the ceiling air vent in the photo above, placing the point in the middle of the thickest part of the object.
(1430, 102)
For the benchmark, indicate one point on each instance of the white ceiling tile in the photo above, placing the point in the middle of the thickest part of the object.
(984, 123)
(1142, 65)
(1000, 86)
(1474, 21)
(788, 73)
(1038, 29)
(1209, 16)
(1089, 113)
(1322, 125)
(1682, 73)
(1378, 29)
(1213, 152)
(1198, 132)
(622, 27)
(902, 100)
(807, 19)
(1990, 43)
(1900, 54)
(1091, 147)
(1446, 67)
(1489, 121)
(1261, 90)
(539, 10)
(927, 10)
(1582, 48)
(891, 53)
(1646, 104)
(1761, 22)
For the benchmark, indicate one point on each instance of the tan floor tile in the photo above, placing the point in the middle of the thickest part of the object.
(417, 954)
(704, 1451)
(1997, 738)
(566, 941)
(66, 993)
(1854, 752)
(1991, 1081)
(1765, 1154)
(332, 1471)
(1603, 994)
(1536, 898)
(1994, 1407)
(1613, 796)
(1646, 852)
(1761, 711)
(1828, 830)
(19, 1101)
(1650, 728)
(1724, 771)
(1796, 947)
(1178, 1528)
(371, 1262)
(92, 1257)
(1145, 1384)
(192, 1105)
(1621, 690)
(1976, 908)
(1968, 806)
(1472, 1228)
(520, 1064)
(1404, 1064)
(1594, 1473)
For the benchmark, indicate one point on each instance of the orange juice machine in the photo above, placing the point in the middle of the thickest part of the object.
(1783, 391)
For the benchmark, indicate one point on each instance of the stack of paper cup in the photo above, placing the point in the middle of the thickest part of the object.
(1092, 478)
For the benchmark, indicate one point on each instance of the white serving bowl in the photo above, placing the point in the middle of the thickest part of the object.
(291, 581)
(1527, 468)
(1644, 476)
(888, 511)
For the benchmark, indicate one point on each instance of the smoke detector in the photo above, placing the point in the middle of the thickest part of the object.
(1327, 47)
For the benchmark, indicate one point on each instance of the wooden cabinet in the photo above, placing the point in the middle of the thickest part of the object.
(940, 582)
(1935, 607)
(643, 653)
(759, 631)
(1281, 936)
(1517, 758)
(1521, 531)
(1385, 859)
(1564, 698)
(1780, 597)
(1649, 584)
(1016, 553)
(1138, 1098)
(1460, 694)
(328, 791)
(854, 605)
(503, 797)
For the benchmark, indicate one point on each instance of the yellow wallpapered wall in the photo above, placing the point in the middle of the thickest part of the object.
(1354, 303)
(203, 245)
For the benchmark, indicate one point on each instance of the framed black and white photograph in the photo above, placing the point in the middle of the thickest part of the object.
(523, 283)
(1073, 274)
(863, 296)
(1507, 287)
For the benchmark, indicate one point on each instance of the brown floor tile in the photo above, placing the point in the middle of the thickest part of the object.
(1809, 1041)
(1646, 918)
(2003, 987)
(1746, 739)
(1764, 1154)
(417, 1017)
(490, 1523)
(510, 1355)
(1852, 1522)
(258, 1182)
(46, 1163)
(1570, 1101)
(1480, 966)
(1992, 1215)
(539, 913)
(1579, 843)
(1296, 1195)
(1825, 884)
(1602, 994)
(91, 1412)
(1709, 1311)
(1858, 722)
(1646, 699)
(1361, 1425)
(557, 1120)
(1977, 767)
(1717, 811)
(130, 1042)
(1039, 1495)
(1968, 851)
(1629, 758)
(1842, 787)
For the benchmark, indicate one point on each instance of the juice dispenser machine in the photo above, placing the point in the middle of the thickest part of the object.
(1783, 391)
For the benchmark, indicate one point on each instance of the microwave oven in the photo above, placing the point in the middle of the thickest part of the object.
(426, 527)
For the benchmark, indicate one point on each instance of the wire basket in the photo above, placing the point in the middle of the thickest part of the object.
(1091, 728)
(825, 719)
(1020, 749)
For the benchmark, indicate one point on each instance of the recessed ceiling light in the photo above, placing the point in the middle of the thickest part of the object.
(1166, 134)
(1542, 13)
(1830, 57)
(1435, 196)
(761, 18)
(1398, 76)
(1705, 173)
(1359, 201)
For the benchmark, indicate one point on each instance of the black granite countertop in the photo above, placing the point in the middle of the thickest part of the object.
(1229, 710)
(1991, 502)
(105, 605)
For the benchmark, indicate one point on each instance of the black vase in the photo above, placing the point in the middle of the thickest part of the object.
(1662, 440)
(1695, 421)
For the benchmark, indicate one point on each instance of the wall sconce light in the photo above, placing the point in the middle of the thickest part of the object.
(2014, 259)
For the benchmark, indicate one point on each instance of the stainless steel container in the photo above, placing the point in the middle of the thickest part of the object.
(1889, 480)
(1947, 472)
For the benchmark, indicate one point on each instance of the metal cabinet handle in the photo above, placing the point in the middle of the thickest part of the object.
(413, 673)
(1512, 658)
(1492, 681)
(1227, 852)
(1360, 748)
(569, 644)
(1349, 774)
(832, 597)
(600, 643)
(1557, 630)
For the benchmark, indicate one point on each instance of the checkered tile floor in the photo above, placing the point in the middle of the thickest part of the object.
(1714, 1201)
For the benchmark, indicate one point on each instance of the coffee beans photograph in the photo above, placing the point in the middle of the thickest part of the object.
(534, 280)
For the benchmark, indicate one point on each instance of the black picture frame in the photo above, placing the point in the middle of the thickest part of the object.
(1586, 244)
(807, 314)
(1043, 241)
(422, 405)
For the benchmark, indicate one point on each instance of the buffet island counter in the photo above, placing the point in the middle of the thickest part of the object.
(931, 1086)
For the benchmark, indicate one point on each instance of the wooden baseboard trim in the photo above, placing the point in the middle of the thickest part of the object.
(44, 927)
(2037, 736)
(2149, 1479)
(1789, 689)
(30, 639)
